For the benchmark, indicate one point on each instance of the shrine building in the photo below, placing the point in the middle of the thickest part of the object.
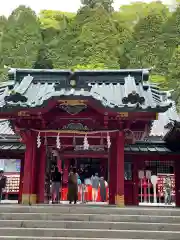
(113, 121)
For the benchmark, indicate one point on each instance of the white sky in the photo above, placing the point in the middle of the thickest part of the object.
(64, 5)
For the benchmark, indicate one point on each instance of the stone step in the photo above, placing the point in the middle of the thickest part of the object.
(61, 238)
(90, 233)
(81, 209)
(90, 225)
(90, 217)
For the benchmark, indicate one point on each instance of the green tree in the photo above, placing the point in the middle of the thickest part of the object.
(106, 4)
(3, 21)
(143, 49)
(174, 76)
(55, 19)
(43, 60)
(92, 38)
(169, 40)
(89, 66)
(160, 80)
(21, 39)
(53, 22)
(131, 14)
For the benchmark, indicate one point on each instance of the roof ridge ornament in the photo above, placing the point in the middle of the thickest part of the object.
(133, 98)
(15, 97)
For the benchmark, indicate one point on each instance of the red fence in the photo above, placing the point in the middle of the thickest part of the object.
(88, 194)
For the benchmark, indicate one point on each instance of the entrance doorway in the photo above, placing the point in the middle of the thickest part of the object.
(90, 166)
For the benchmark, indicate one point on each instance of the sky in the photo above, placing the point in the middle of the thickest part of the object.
(63, 5)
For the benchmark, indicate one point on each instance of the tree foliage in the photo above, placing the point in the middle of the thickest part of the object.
(92, 39)
(106, 4)
(43, 60)
(169, 40)
(21, 39)
(174, 75)
(143, 48)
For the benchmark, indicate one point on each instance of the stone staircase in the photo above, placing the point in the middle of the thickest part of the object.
(88, 222)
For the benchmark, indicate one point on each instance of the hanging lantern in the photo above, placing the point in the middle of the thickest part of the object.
(58, 142)
(108, 141)
(86, 144)
(38, 140)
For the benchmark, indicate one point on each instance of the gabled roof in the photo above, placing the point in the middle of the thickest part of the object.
(12, 145)
(119, 90)
(165, 120)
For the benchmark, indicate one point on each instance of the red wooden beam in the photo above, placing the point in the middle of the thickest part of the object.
(84, 155)
(39, 111)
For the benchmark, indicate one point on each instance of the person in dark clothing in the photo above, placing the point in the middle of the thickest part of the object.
(102, 184)
(3, 181)
(56, 178)
(73, 186)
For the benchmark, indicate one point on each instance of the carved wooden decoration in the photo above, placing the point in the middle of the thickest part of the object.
(94, 148)
(123, 114)
(73, 109)
(128, 136)
(23, 114)
(72, 102)
(73, 106)
(75, 126)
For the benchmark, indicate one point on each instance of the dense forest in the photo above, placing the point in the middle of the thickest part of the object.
(139, 35)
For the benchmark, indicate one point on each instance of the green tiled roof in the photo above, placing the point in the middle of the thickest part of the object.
(5, 129)
(149, 148)
(119, 90)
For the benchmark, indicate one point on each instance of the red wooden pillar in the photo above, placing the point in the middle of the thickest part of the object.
(116, 170)
(29, 179)
(59, 164)
(112, 172)
(120, 170)
(177, 182)
(136, 167)
(41, 174)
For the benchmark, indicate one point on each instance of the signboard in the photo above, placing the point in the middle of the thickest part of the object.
(141, 174)
(148, 174)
